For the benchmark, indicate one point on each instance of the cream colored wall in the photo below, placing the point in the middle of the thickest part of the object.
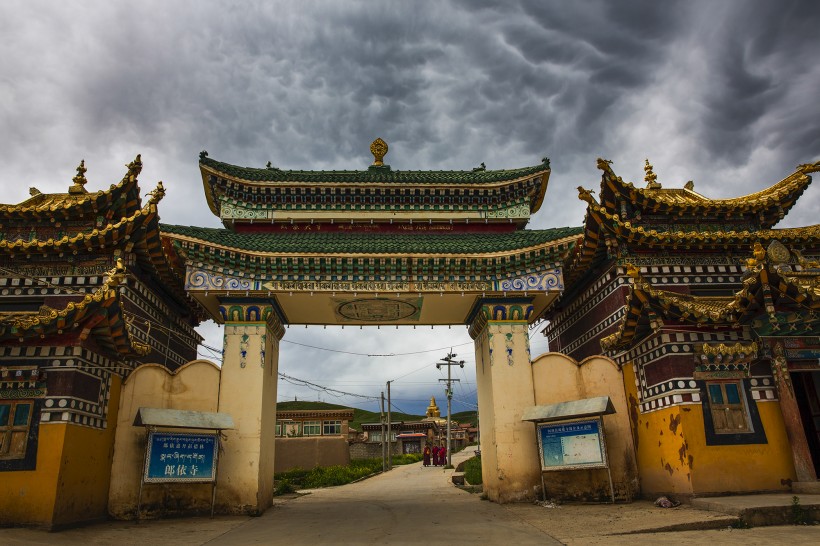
(249, 395)
(559, 378)
(504, 381)
(194, 386)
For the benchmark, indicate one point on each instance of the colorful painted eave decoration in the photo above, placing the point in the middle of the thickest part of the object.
(119, 201)
(98, 314)
(283, 256)
(780, 296)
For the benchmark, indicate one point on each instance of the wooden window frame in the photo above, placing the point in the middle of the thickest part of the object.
(728, 417)
(755, 435)
(10, 429)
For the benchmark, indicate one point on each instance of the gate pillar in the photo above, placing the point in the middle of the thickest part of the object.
(509, 457)
(247, 391)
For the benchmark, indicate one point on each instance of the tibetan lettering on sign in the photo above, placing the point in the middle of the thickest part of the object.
(572, 445)
(177, 457)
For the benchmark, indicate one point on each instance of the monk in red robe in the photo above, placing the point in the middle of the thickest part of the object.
(426, 455)
(435, 455)
(442, 456)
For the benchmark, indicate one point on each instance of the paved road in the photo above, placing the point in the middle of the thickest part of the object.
(408, 505)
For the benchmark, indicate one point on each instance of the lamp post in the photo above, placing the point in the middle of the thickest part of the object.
(449, 361)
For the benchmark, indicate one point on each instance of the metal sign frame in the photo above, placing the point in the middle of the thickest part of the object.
(572, 429)
(151, 432)
(180, 458)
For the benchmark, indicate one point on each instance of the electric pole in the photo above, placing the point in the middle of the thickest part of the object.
(389, 432)
(381, 418)
(449, 361)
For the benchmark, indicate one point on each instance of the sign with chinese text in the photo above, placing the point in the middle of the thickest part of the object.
(572, 445)
(180, 457)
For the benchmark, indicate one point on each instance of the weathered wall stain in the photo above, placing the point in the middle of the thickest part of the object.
(674, 421)
(634, 419)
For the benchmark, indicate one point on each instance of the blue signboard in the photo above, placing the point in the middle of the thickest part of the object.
(180, 457)
(572, 445)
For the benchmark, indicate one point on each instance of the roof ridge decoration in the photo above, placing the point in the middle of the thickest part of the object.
(379, 149)
(78, 195)
(650, 177)
(777, 198)
(145, 213)
(79, 180)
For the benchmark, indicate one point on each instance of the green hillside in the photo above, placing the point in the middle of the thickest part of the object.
(363, 416)
(466, 417)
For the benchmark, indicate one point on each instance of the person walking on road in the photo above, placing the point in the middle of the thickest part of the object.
(427, 455)
(435, 455)
(442, 456)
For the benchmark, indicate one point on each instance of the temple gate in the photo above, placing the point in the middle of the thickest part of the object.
(373, 247)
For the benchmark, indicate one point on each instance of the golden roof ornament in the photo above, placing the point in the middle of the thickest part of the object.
(79, 180)
(650, 177)
(379, 149)
(432, 409)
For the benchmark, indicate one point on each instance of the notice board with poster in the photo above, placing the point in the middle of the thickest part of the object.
(572, 445)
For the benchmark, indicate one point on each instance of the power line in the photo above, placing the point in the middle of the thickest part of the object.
(315, 386)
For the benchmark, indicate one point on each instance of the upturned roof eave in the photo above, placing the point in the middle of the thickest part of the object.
(772, 203)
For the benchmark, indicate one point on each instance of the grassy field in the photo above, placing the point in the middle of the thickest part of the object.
(290, 481)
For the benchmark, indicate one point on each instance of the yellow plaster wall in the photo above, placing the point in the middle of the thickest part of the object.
(28, 497)
(193, 386)
(70, 483)
(753, 467)
(559, 378)
(673, 457)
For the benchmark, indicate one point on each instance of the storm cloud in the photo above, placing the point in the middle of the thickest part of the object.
(721, 93)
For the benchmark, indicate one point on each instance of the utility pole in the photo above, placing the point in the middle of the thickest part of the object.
(449, 361)
(381, 418)
(389, 432)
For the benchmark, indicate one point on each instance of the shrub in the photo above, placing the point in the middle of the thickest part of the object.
(472, 470)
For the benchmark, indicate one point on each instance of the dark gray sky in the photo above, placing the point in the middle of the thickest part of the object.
(722, 93)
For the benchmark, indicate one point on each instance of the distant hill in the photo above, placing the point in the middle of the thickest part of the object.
(466, 417)
(363, 416)
(359, 415)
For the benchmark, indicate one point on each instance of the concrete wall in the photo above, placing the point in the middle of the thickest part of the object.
(559, 378)
(310, 452)
(509, 466)
(193, 386)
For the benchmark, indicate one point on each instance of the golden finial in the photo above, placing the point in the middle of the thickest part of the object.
(79, 180)
(650, 177)
(379, 149)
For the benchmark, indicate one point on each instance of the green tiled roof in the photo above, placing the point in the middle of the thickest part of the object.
(334, 242)
(374, 174)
